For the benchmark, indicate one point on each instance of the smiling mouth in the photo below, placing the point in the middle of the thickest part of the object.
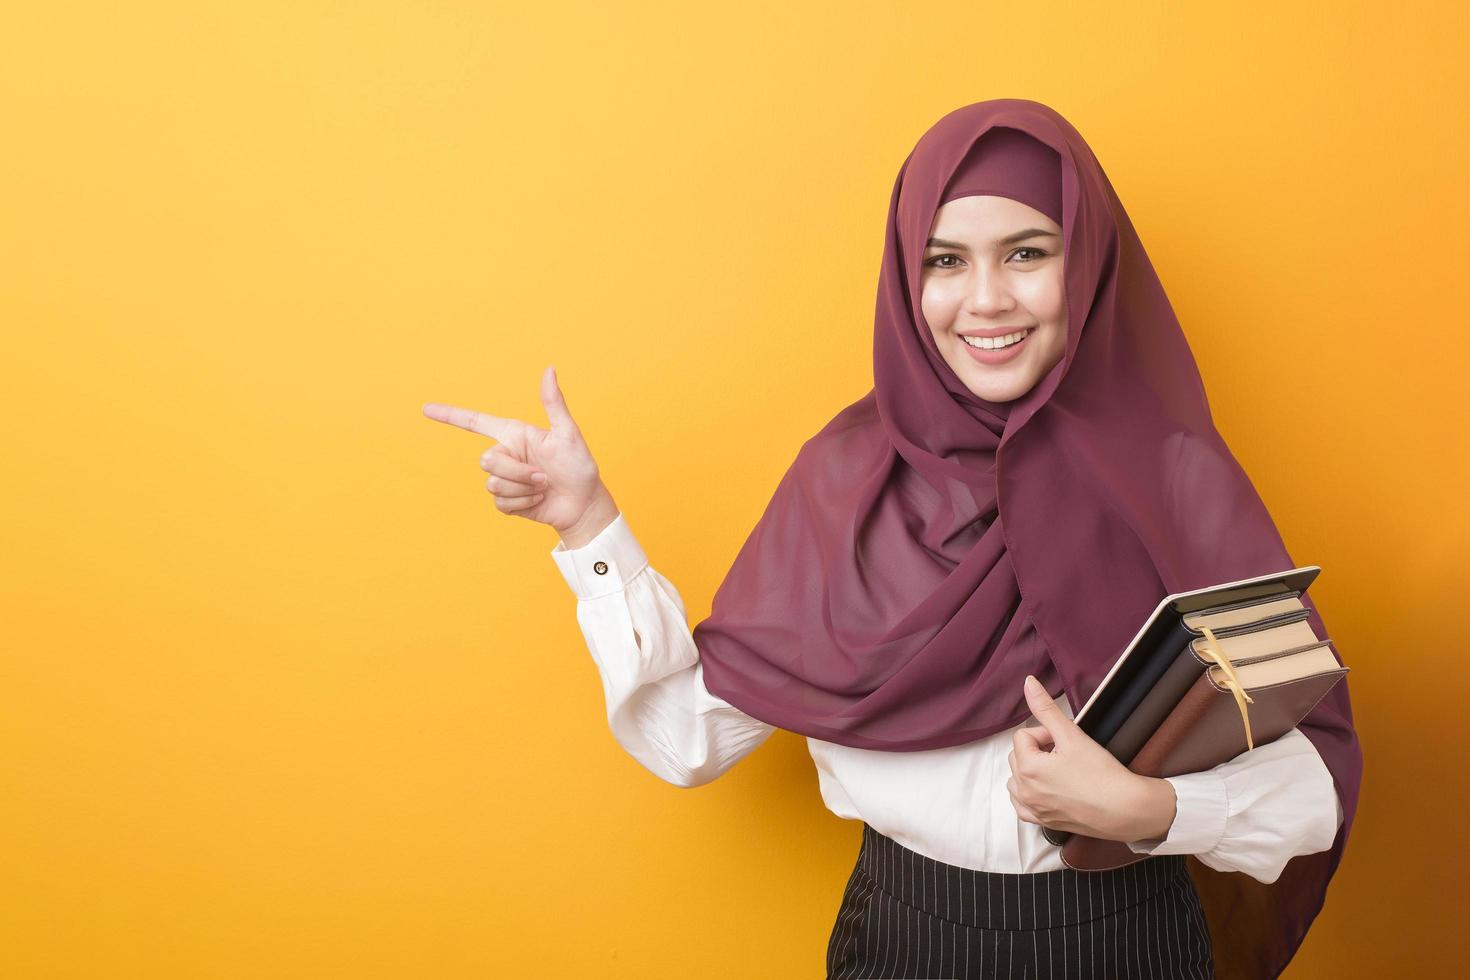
(997, 343)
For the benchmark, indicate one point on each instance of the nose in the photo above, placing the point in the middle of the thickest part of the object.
(988, 293)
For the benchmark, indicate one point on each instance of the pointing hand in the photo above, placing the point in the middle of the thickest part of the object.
(545, 475)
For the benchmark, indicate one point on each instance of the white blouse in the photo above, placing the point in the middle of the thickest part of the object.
(1251, 814)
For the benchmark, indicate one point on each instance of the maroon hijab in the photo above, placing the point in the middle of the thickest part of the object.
(927, 549)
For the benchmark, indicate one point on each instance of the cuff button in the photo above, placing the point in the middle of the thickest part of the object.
(600, 568)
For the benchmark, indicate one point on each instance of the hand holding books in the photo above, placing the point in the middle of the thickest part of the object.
(1211, 674)
(1063, 779)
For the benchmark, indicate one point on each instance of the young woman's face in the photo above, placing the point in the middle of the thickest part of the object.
(993, 268)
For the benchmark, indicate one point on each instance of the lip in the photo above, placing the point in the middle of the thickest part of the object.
(994, 332)
(996, 356)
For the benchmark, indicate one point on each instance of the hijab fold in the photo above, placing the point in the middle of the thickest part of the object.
(927, 549)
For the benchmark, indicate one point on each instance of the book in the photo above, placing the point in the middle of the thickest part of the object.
(1210, 673)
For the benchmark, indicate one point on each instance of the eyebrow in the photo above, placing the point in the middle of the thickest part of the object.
(1019, 236)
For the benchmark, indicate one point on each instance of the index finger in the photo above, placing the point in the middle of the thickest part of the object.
(1031, 740)
(1034, 738)
(467, 418)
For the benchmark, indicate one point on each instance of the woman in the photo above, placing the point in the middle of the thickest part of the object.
(964, 549)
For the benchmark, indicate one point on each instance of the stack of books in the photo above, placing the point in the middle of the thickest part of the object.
(1211, 673)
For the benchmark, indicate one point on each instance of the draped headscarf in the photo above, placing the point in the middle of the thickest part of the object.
(927, 549)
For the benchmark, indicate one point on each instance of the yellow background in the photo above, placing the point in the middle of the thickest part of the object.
(284, 695)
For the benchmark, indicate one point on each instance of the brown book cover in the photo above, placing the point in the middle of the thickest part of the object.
(1204, 730)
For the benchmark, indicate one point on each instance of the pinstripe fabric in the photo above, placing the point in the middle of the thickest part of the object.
(907, 915)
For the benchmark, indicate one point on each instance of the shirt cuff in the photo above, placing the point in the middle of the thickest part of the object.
(1201, 807)
(604, 565)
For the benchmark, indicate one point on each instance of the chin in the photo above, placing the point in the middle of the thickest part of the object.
(998, 390)
(1008, 394)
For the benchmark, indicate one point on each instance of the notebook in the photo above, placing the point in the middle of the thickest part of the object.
(1169, 706)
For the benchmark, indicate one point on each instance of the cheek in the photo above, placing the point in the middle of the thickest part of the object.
(1044, 298)
(1047, 304)
(938, 305)
(1057, 297)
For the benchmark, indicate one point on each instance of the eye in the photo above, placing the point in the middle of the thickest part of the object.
(1027, 248)
(934, 262)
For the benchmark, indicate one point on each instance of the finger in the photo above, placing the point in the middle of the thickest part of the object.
(1027, 754)
(1022, 810)
(1045, 710)
(467, 418)
(512, 504)
(556, 405)
(511, 488)
(1026, 744)
(1042, 736)
(499, 461)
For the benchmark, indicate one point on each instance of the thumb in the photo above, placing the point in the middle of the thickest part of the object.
(1061, 728)
(555, 404)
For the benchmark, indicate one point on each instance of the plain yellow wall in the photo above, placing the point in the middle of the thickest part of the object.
(283, 695)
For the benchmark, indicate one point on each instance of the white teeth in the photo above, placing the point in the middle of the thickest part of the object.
(994, 343)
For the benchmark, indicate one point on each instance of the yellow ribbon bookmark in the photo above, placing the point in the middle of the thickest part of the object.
(1213, 652)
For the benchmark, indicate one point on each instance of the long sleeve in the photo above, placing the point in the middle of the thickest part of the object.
(636, 629)
(1256, 812)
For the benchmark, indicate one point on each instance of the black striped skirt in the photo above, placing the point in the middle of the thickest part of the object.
(907, 915)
